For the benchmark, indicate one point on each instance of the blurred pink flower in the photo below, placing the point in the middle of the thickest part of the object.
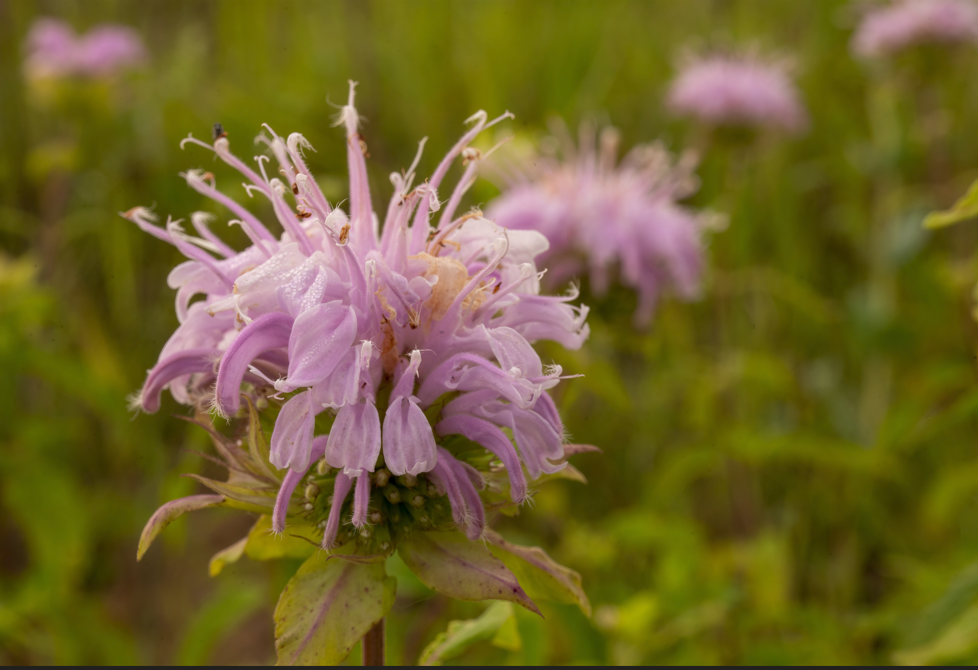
(888, 29)
(597, 215)
(737, 91)
(55, 50)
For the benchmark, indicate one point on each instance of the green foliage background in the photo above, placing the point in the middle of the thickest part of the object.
(789, 471)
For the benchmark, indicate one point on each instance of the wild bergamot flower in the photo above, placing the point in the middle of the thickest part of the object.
(400, 355)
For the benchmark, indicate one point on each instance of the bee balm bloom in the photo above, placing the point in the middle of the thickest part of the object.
(403, 334)
(737, 91)
(54, 50)
(889, 29)
(598, 215)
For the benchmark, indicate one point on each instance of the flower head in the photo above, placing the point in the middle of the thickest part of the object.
(737, 91)
(55, 50)
(396, 337)
(888, 29)
(598, 214)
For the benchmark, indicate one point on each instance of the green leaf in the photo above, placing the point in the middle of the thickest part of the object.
(497, 624)
(567, 472)
(227, 556)
(298, 541)
(241, 497)
(328, 607)
(957, 642)
(942, 614)
(257, 444)
(170, 511)
(965, 208)
(540, 575)
(453, 565)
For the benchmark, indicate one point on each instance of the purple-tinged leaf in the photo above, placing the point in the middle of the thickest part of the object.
(575, 449)
(327, 608)
(457, 567)
(239, 497)
(567, 472)
(541, 575)
(170, 511)
(225, 447)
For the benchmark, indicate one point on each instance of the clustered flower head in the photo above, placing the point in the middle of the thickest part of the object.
(891, 28)
(399, 353)
(741, 90)
(55, 50)
(600, 214)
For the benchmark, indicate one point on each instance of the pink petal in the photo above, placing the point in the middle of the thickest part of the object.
(292, 437)
(409, 445)
(354, 440)
(320, 338)
(269, 331)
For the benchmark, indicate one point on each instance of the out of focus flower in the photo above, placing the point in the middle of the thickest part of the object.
(600, 214)
(408, 336)
(742, 90)
(54, 50)
(888, 29)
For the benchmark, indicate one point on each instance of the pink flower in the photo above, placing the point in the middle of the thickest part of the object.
(889, 29)
(374, 325)
(599, 215)
(737, 91)
(54, 50)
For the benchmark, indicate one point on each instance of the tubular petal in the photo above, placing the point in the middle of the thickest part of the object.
(269, 331)
(174, 366)
(409, 445)
(354, 440)
(361, 500)
(493, 439)
(320, 338)
(291, 445)
(292, 479)
(340, 490)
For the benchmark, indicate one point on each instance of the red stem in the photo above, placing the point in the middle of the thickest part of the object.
(373, 645)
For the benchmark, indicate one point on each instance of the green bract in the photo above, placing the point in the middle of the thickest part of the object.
(337, 596)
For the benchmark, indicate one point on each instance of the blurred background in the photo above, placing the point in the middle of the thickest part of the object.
(789, 471)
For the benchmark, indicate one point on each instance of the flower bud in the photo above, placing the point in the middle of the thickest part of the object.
(382, 477)
(311, 492)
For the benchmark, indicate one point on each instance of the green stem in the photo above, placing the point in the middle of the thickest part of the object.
(373, 645)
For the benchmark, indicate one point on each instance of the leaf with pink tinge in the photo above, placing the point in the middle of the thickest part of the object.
(575, 449)
(169, 512)
(453, 565)
(239, 497)
(543, 577)
(327, 607)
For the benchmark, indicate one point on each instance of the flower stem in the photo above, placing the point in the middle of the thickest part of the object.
(373, 645)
